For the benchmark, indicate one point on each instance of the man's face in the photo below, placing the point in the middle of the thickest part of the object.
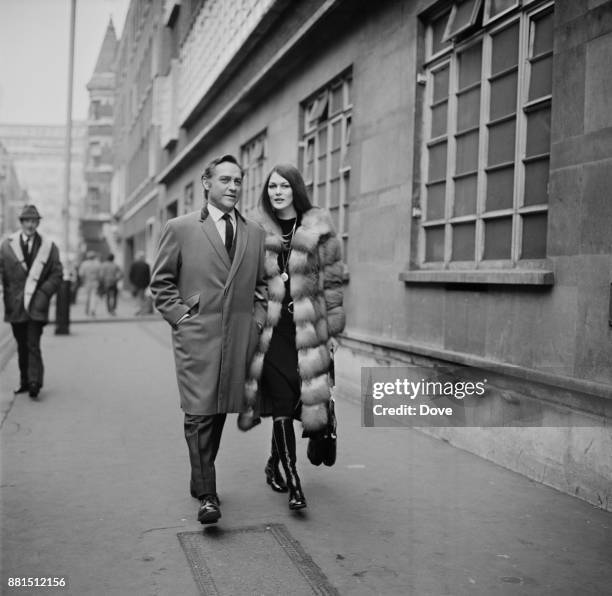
(225, 186)
(28, 226)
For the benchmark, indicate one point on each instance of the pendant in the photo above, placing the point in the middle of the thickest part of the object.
(284, 276)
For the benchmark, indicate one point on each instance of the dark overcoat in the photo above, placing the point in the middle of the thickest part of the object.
(226, 299)
(27, 294)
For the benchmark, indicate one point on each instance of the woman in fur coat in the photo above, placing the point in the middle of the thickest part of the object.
(289, 374)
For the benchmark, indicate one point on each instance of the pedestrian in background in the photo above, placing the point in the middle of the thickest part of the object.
(140, 278)
(31, 273)
(110, 276)
(208, 283)
(305, 276)
(89, 273)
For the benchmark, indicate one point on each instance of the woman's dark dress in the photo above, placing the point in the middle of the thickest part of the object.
(280, 381)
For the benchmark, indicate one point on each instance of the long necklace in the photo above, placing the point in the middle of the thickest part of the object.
(286, 251)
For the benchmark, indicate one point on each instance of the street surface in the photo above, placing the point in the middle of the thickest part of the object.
(95, 489)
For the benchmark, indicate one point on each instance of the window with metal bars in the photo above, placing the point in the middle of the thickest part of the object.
(324, 151)
(486, 148)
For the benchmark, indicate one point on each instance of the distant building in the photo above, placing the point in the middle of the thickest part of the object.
(135, 194)
(12, 197)
(96, 224)
(38, 153)
(463, 150)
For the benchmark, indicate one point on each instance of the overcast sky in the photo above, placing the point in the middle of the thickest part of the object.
(34, 43)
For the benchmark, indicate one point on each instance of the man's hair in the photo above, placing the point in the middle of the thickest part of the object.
(301, 202)
(210, 168)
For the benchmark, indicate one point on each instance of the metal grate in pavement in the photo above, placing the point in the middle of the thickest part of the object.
(262, 560)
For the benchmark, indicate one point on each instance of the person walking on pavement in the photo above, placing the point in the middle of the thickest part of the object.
(305, 276)
(140, 278)
(31, 273)
(89, 273)
(110, 275)
(208, 283)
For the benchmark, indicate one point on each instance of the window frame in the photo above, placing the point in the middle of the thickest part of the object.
(316, 117)
(448, 58)
(254, 169)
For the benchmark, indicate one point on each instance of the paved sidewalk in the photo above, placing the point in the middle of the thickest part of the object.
(95, 488)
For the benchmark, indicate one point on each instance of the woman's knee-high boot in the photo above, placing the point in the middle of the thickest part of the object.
(284, 438)
(273, 475)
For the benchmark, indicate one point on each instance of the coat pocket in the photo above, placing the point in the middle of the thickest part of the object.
(193, 302)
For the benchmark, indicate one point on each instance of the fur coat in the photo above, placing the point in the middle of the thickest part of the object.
(316, 279)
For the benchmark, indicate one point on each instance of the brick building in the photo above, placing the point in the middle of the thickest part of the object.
(463, 149)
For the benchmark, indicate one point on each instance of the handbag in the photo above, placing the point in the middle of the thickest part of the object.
(322, 447)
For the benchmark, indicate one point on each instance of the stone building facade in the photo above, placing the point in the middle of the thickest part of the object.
(38, 154)
(12, 196)
(97, 227)
(463, 149)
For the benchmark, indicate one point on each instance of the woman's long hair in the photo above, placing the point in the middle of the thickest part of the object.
(301, 202)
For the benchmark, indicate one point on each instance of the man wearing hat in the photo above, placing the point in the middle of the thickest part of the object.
(31, 273)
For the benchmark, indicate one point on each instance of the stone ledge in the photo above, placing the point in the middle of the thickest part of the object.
(551, 380)
(523, 277)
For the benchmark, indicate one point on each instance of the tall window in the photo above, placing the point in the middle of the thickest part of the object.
(324, 157)
(486, 148)
(188, 198)
(253, 158)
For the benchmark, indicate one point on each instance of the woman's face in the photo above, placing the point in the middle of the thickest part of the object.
(280, 194)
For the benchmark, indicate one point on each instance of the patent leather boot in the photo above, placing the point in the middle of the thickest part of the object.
(284, 438)
(273, 474)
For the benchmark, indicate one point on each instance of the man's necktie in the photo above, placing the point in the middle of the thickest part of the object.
(26, 251)
(229, 233)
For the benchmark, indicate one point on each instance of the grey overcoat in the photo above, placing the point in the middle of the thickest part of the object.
(227, 303)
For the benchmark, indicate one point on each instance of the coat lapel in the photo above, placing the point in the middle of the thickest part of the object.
(38, 264)
(211, 232)
(15, 244)
(241, 244)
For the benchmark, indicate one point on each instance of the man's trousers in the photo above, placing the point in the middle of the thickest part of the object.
(29, 355)
(203, 436)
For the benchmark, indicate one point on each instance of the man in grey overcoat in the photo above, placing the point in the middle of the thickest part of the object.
(31, 273)
(208, 282)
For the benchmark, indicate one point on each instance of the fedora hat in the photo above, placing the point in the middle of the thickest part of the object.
(29, 212)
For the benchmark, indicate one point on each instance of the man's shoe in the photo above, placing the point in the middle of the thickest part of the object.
(209, 512)
(34, 389)
(23, 388)
(195, 495)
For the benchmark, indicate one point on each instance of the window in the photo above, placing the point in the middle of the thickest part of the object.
(172, 210)
(486, 148)
(94, 109)
(188, 198)
(324, 151)
(93, 200)
(253, 158)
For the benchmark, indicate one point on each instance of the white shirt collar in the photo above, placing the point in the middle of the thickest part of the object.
(217, 214)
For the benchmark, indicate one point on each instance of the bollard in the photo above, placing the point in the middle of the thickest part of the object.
(62, 309)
